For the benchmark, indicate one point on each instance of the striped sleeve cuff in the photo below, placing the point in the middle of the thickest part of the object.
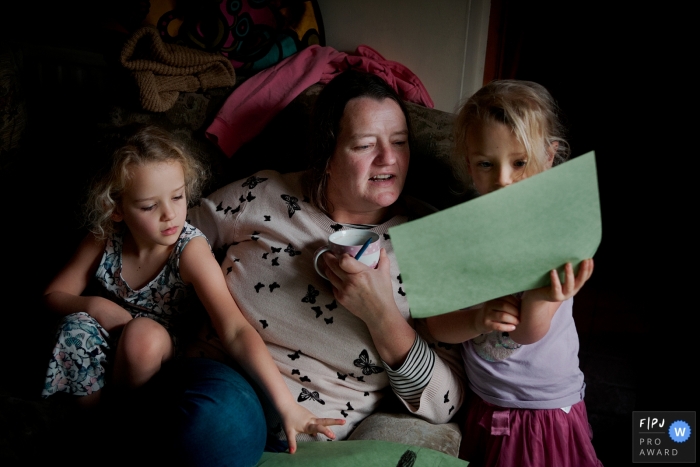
(409, 381)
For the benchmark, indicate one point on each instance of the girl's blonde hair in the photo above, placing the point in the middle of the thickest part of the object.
(143, 144)
(528, 109)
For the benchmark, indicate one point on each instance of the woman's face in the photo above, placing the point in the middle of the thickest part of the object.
(367, 170)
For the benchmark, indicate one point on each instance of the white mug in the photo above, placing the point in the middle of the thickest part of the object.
(351, 242)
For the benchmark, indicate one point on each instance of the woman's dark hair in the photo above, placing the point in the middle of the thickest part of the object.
(325, 124)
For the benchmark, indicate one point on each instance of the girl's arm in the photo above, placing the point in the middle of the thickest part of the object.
(63, 294)
(199, 267)
(539, 305)
(500, 314)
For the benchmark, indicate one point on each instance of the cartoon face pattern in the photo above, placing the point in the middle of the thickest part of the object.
(163, 297)
(495, 346)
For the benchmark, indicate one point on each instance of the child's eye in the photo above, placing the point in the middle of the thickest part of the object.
(148, 208)
(521, 163)
(484, 164)
(178, 197)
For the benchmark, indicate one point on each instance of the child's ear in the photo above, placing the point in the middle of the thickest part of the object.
(551, 152)
(117, 215)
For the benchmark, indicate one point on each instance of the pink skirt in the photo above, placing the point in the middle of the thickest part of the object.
(501, 437)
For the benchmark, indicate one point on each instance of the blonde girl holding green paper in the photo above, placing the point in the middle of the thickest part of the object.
(521, 351)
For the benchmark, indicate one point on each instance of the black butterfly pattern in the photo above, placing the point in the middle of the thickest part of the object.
(361, 379)
(332, 306)
(295, 372)
(328, 320)
(254, 236)
(366, 394)
(344, 413)
(349, 406)
(252, 182)
(275, 261)
(295, 355)
(305, 394)
(292, 205)
(236, 260)
(444, 346)
(304, 379)
(241, 199)
(447, 397)
(292, 252)
(399, 278)
(336, 227)
(341, 376)
(250, 197)
(233, 211)
(401, 292)
(318, 311)
(386, 236)
(408, 459)
(366, 364)
(228, 270)
(451, 409)
(274, 286)
(265, 255)
(259, 286)
(264, 323)
(220, 206)
(267, 218)
(275, 250)
(311, 295)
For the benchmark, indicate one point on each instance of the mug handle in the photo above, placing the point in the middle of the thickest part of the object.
(318, 253)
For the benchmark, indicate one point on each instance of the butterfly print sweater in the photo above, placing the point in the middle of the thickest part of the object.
(264, 232)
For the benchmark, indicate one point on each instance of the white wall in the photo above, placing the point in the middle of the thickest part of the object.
(443, 41)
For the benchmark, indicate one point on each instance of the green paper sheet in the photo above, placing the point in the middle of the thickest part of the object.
(501, 243)
(360, 452)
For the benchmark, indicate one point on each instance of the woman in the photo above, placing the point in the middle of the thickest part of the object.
(340, 345)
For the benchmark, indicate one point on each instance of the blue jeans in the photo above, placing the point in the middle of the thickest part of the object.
(206, 413)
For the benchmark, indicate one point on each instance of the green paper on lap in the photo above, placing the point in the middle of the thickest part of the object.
(362, 453)
(501, 243)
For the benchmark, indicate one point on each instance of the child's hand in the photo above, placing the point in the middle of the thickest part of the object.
(110, 315)
(500, 314)
(297, 419)
(558, 292)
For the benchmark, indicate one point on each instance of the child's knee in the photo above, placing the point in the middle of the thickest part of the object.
(145, 340)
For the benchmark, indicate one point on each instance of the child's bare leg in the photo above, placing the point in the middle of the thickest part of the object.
(143, 347)
(90, 401)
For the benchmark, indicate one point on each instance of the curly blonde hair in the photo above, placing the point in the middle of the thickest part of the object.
(528, 109)
(143, 144)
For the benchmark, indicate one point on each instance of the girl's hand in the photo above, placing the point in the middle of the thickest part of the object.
(558, 292)
(500, 314)
(110, 315)
(296, 419)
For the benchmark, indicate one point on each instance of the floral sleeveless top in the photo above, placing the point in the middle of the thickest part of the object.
(166, 299)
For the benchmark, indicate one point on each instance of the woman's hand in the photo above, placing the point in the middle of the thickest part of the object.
(365, 292)
(368, 294)
(296, 419)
